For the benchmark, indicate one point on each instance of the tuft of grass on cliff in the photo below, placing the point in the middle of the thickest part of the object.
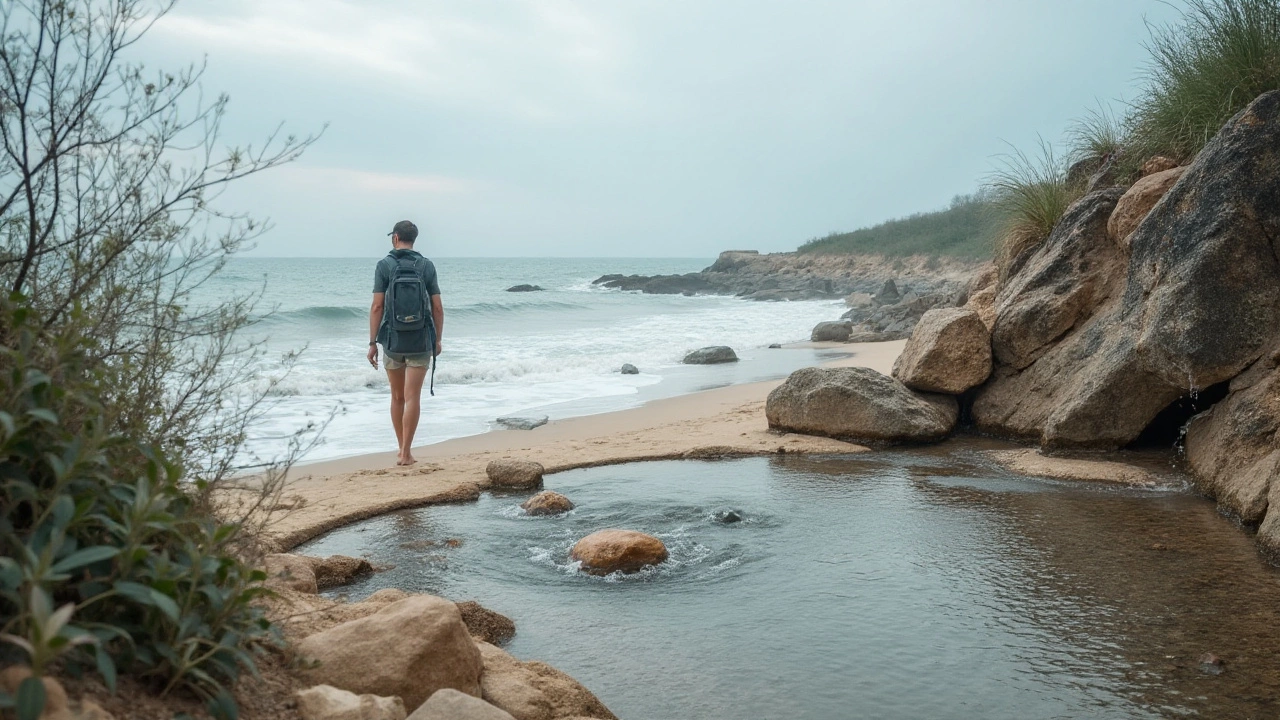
(965, 230)
(1204, 70)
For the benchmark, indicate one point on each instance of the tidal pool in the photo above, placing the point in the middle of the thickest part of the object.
(899, 584)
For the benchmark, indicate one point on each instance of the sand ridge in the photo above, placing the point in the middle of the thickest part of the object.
(724, 422)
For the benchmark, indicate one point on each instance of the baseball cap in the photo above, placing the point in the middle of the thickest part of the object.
(407, 231)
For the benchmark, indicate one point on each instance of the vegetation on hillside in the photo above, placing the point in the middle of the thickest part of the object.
(964, 230)
(123, 403)
(1203, 70)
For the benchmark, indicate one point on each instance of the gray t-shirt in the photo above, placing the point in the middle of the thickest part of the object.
(382, 280)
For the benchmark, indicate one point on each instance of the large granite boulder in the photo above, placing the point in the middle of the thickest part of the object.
(325, 702)
(949, 352)
(1137, 201)
(408, 649)
(713, 355)
(534, 690)
(1091, 346)
(452, 705)
(625, 551)
(1233, 449)
(833, 331)
(858, 404)
(519, 474)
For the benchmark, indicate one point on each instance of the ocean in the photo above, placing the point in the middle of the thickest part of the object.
(556, 352)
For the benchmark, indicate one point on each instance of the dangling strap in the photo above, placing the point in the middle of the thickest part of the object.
(434, 357)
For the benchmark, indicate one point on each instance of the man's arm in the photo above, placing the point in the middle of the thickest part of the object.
(375, 320)
(437, 315)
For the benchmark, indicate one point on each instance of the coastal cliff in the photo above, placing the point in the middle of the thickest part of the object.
(804, 276)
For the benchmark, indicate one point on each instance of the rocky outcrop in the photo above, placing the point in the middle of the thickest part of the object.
(801, 276)
(832, 331)
(949, 352)
(453, 705)
(892, 315)
(1233, 449)
(534, 690)
(547, 503)
(294, 572)
(1092, 345)
(485, 624)
(714, 355)
(525, 288)
(980, 296)
(625, 551)
(337, 570)
(858, 404)
(408, 649)
(518, 474)
(1137, 201)
(324, 702)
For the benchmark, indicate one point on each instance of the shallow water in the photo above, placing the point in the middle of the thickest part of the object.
(917, 584)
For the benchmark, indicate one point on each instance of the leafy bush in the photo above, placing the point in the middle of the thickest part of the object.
(142, 582)
(1032, 194)
(1203, 71)
(965, 230)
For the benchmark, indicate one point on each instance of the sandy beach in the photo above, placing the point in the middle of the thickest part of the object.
(725, 421)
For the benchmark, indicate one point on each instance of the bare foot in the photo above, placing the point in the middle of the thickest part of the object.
(400, 460)
(407, 459)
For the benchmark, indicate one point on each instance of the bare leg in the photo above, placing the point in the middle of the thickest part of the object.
(413, 379)
(396, 378)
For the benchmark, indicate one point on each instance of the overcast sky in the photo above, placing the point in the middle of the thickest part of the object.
(663, 128)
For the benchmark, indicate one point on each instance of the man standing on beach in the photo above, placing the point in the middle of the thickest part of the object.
(406, 372)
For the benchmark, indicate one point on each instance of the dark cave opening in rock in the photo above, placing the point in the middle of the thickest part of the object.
(1165, 429)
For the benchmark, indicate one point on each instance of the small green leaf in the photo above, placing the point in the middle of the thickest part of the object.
(166, 604)
(44, 414)
(223, 706)
(106, 667)
(85, 556)
(29, 702)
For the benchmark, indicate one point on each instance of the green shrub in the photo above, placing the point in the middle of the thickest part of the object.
(1032, 194)
(1203, 71)
(143, 583)
(964, 230)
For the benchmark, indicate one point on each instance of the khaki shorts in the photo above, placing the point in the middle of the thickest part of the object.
(395, 361)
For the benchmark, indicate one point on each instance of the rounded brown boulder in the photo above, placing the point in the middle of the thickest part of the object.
(515, 474)
(547, 503)
(949, 352)
(626, 551)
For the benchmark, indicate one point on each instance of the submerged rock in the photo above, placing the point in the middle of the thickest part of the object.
(523, 423)
(525, 288)
(949, 352)
(711, 356)
(858, 404)
(728, 517)
(609, 551)
(410, 649)
(515, 474)
(547, 503)
(629, 369)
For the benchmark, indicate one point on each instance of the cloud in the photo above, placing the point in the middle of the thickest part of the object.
(536, 59)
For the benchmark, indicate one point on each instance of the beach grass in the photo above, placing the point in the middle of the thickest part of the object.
(965, 230)
(1031, 193)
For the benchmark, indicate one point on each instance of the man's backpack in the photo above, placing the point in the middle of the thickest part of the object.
(410, 330)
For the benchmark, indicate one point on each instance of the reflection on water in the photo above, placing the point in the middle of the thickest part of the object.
(901, 584)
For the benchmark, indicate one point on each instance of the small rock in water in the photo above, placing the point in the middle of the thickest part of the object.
(629, 369)
(522, 423)
(1211, 664)
(728, 517)
(547, 503)
(524, 288)
(711, 356)
(775, 346)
